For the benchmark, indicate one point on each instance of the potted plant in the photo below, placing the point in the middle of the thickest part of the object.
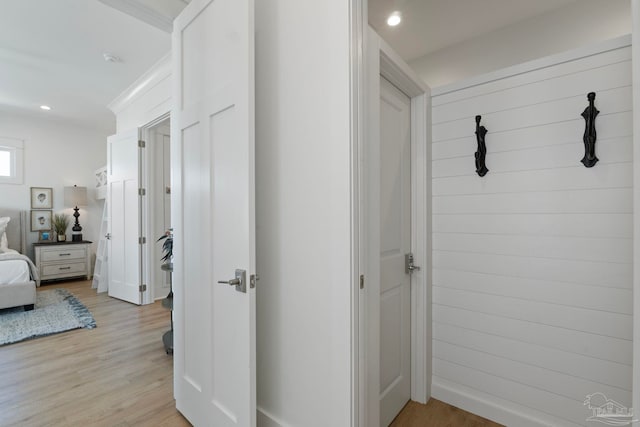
(167, 246)
(60, 225)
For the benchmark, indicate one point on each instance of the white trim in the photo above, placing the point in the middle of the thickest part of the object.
(358, 22)
(15, 147)
(160, 71)
(369, 335)
(139, 10)
(380, 61)
(398, 72)
(458, 396)
(547, 61)
(635, 17)
(421, 247)
(266, 419)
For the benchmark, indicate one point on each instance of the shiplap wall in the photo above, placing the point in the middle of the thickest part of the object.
(532, 264)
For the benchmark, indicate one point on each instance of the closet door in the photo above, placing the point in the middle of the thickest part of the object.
(124, 204)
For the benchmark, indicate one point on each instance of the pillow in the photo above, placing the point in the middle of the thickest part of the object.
(4, 244)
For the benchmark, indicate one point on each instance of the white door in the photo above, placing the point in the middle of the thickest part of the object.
(212, 209)
(395, 242)
(123, 201)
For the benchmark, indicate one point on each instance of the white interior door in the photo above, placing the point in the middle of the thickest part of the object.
(123, 201)
(395, 242)
(212, 209)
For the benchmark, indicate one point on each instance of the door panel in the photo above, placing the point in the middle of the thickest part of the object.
(124, 251)
(395, 242)
(212, 208)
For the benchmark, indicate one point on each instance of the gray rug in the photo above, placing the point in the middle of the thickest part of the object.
(56, 310)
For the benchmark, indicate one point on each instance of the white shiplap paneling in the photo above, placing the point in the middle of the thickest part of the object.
(532, 264)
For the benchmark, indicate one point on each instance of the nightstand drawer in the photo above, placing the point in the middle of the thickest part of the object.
(63, 255)
(67, 268)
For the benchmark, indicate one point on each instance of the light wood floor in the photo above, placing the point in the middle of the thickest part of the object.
(114, 375)
(438, 414)
(118, 374)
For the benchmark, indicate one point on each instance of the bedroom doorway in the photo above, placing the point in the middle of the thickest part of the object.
(139, 187)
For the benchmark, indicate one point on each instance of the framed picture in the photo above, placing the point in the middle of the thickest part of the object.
(41, 198)
(40, 220)
(45, 236)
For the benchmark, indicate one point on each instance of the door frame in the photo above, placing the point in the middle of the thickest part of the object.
(148, 263)
(381, 60)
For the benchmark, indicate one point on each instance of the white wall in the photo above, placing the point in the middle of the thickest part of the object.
(303, 213)
(577, 24)
(56, 155)
(532, 264)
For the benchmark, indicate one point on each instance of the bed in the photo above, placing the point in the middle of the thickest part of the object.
(18, 275)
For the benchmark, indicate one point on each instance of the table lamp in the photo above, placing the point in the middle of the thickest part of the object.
(75, 196)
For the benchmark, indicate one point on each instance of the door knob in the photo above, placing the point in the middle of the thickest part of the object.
(240, 281)
(107, 236)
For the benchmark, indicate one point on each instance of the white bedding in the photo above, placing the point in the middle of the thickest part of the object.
(14, 270)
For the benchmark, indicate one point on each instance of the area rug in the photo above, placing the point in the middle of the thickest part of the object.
(56, 310)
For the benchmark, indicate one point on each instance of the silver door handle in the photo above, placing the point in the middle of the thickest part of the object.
(107, 236)
(240, 281)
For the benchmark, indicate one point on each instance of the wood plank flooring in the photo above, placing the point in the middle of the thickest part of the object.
(114, 375)
(438, 414)
(118, 374)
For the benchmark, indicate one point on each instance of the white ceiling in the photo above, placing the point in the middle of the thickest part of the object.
(51, 52)
(430, 25)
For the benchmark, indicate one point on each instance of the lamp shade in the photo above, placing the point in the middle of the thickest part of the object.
(75, 196)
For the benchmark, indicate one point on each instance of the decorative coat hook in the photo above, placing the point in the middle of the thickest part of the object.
(481, 154)
(589, 138)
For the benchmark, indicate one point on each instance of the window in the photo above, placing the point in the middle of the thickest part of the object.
(5, 163)
(11, 161)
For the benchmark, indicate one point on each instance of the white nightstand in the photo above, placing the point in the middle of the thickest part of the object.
(61, 260)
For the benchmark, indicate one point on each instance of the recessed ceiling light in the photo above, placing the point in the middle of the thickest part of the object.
(394, 19)
(45, 107)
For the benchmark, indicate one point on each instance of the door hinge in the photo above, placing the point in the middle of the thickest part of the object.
(142, 240)
(252, 280)
(141, 143)
(142, 192)
(362, 281)
(142, 288)
(409, 267)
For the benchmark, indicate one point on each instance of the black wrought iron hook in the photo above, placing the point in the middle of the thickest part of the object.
(481, 154)
(589, 160)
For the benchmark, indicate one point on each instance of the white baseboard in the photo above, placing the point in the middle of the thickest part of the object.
(265, 419)
(490, 407)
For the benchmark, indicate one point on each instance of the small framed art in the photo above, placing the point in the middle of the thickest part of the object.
(45, 236)
(41, 198)
(40, 220)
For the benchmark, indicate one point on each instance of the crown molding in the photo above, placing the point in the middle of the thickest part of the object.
(157, 73)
